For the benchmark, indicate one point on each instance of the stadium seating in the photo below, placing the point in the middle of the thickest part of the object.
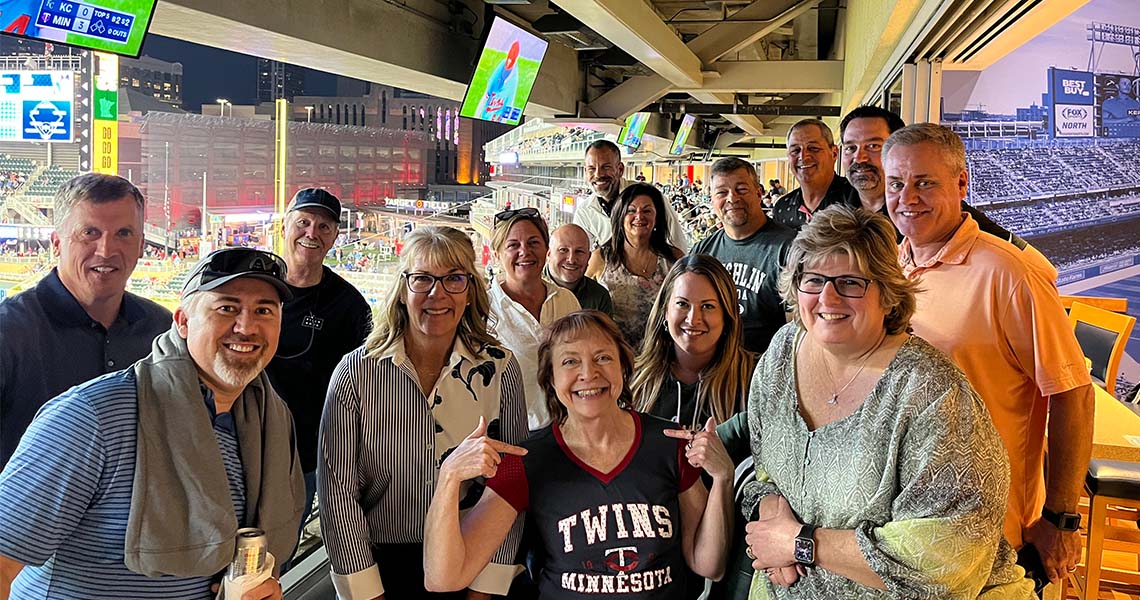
(46, 184)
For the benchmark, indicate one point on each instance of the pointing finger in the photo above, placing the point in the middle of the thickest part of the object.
(505, 448)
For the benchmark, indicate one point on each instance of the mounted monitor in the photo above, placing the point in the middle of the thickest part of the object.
(505, 74)
(634, 129)
(678, 147)
(116, 26)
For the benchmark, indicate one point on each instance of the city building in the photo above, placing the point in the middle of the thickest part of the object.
(276, 79)
(159, 79)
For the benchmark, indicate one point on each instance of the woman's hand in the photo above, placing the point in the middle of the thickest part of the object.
(705, 450)
(771, 538)
(477, 456)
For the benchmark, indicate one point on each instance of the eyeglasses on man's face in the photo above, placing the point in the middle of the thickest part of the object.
(848, 286)
(423, 283)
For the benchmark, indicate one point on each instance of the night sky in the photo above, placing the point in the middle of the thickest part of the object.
(209, 73)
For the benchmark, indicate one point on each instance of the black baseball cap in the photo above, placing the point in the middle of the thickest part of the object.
(316, 198)
(222, 266)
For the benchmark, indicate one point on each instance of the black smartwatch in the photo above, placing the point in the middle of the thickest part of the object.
(804, 550)
(1063, 521)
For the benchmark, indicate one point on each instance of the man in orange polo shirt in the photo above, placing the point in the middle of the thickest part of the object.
(995, 310)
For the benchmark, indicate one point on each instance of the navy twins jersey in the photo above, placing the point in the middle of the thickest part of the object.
(617, 534)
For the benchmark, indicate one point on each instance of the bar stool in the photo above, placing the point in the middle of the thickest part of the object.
(1115, 483)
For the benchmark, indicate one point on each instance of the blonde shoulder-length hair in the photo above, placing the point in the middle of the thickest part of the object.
(442, 248)
(725, 380)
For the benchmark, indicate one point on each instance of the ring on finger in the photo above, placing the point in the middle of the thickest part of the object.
(748, 552)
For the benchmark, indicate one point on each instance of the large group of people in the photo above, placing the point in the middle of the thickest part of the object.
(847, 399)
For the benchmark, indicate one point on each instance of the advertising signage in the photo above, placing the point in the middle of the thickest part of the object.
(36, 106)
(1071, 103)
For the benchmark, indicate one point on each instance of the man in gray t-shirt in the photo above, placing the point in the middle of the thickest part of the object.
(751, 247)
(566, 267)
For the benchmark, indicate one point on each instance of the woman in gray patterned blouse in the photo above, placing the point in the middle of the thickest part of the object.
(879, 472)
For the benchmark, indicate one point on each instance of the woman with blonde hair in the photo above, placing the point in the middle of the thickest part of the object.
(428, 374)
(522, 301)
(693, 364)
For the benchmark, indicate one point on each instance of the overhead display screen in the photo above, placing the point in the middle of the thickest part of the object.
(678, 147)
(505, 75)
(634, 130)
(116, 26)
(36, 106)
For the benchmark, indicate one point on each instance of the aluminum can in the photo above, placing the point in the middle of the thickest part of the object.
(249, 556)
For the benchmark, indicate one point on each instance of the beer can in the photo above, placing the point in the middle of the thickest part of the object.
(249, 557)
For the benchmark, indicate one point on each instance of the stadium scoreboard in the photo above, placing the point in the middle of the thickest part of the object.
(36, 106)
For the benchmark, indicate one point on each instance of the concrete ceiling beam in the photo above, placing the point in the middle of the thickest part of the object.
(728, 37)
(775, 77)
(633, 26)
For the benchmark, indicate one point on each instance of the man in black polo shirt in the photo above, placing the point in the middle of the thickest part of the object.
(326, 319)
(751, 247)
(78, 322)
(862, 133)
(811, 155)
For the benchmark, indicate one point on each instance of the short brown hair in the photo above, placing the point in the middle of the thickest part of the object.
(868, 238)
(96, 188)
(572, 326)
(502, 228)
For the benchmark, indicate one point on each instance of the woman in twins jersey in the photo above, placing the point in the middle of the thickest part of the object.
(614, 495)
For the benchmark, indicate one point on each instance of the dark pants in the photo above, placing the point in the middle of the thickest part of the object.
(402, 573)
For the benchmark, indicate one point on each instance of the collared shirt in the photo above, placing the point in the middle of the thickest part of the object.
(67, 496)
(996, 312)
(382, 442)
(791, 211)
(596, 221)
(50, 344)
(589, 293)
(521, 333)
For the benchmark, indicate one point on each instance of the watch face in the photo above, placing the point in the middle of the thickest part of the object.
(804, 551)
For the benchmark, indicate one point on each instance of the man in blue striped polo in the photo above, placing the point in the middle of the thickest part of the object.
(135, 483)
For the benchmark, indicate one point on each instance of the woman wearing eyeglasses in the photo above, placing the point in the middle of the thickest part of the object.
(633, 263)
(426, 377)
(879, 472)
(522, 301)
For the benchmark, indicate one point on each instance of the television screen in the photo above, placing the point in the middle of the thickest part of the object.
(116, 26)
(634, 129)
(504, 76)
(678, 147)
(36, 106)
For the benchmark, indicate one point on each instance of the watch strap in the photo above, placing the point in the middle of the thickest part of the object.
(807, 532)
(1064, 521)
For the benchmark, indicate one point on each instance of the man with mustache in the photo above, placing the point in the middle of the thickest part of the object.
(79, 321)
(604, 171)
(862, 133)
(811, 156)
(326, 319)
(566, 260)
(136, 482)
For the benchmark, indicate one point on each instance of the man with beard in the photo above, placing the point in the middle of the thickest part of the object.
(604, 171)
(863, 132)
(811, 155)
(135, 482)
(326, 319)
(78, 322)
(566, 260)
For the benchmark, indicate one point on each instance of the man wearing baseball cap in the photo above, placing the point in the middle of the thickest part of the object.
(136, 482)
(326, 319)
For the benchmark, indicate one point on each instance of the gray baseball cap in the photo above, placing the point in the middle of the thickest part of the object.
(222, 266)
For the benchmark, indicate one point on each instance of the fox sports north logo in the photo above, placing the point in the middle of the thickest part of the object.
(1075, 113)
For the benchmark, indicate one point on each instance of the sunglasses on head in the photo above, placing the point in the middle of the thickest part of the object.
(525, 212)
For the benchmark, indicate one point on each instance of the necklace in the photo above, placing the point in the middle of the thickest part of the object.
(834, 399)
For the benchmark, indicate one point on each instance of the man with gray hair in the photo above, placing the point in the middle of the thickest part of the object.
(995, 310)
(811, 155)
(138, 483)
(79, 321)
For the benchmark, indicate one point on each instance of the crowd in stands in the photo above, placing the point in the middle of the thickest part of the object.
(1075, 248)
(560, 140)
(1028, 218)
(1033, 171)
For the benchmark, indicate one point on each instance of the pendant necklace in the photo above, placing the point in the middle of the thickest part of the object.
(834, 399)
